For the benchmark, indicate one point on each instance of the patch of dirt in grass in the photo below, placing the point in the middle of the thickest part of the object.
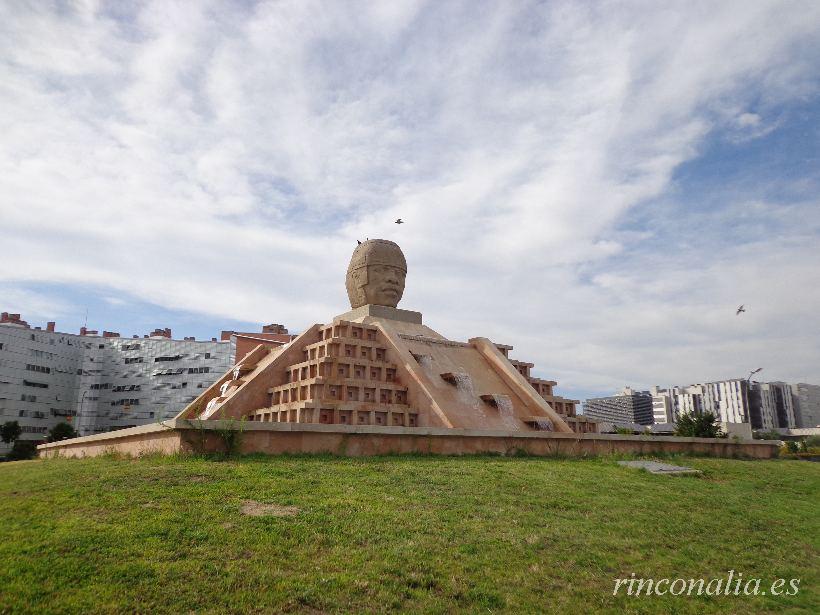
(258, 509)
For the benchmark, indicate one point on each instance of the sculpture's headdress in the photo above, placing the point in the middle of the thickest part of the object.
(371, 252)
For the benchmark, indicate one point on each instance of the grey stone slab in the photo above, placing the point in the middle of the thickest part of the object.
(656, 467)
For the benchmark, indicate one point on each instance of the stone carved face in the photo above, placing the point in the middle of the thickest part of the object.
(376, 274)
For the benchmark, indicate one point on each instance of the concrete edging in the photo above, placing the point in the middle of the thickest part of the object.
(180, 435)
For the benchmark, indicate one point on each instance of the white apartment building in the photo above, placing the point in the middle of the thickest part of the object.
(663, 410)
(763, 405)
(38, 378)
(726, 399)
(100, 383)
(104, 382)
(127, 382)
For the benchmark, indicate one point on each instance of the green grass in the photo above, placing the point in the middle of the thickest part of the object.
(411, 534)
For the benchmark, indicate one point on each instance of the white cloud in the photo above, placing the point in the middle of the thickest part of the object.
(748, 119)
(224, 158)
(33, 306)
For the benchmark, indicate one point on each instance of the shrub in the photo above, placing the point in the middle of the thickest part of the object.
(231, 433)
(699, 426)
(61, 431)
(22, 449)
(812, 441)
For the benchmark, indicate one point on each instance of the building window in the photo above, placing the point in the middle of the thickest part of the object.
(199, 370)
(130, 347)
(130, 360)
(174, 358)
(127, 387)
(25, 397)
(38, 385)
(38, 368)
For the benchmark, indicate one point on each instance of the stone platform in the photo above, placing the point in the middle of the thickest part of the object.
(179, 435)
(657, 467)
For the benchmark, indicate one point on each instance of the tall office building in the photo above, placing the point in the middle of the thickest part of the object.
(628, 406)
(771, 406)
(104, 382)
(806, 402)
(763, 405)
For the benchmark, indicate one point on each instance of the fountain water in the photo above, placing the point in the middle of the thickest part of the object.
(504, 404)
(505, 409)
(543, 424)
(464, 385)
(426, 362)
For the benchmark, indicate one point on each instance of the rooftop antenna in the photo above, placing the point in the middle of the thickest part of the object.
(85, 324)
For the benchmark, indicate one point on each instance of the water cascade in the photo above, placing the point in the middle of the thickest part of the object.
(543, 424)
(464, 384)
(426, 362)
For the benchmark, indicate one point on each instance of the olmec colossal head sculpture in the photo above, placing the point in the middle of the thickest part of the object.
(376, 274)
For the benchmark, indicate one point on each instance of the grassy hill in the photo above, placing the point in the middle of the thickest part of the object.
(415, 534)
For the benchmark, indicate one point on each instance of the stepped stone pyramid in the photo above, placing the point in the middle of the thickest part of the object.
(379, 365)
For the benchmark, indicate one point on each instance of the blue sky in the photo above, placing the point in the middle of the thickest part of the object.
(597, 184)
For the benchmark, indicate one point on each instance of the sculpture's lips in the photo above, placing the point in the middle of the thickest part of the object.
(390, 289)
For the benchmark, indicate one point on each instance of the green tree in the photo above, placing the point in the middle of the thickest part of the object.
(10, 431)
(61, 431)
(22, 449)
(699, 426)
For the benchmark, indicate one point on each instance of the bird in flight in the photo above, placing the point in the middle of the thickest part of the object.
(739, 310)
(399, 221)
(753, 372)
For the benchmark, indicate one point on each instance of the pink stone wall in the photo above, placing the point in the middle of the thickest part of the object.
(277, 438)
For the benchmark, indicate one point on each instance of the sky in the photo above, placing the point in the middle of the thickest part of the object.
(598, 184)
